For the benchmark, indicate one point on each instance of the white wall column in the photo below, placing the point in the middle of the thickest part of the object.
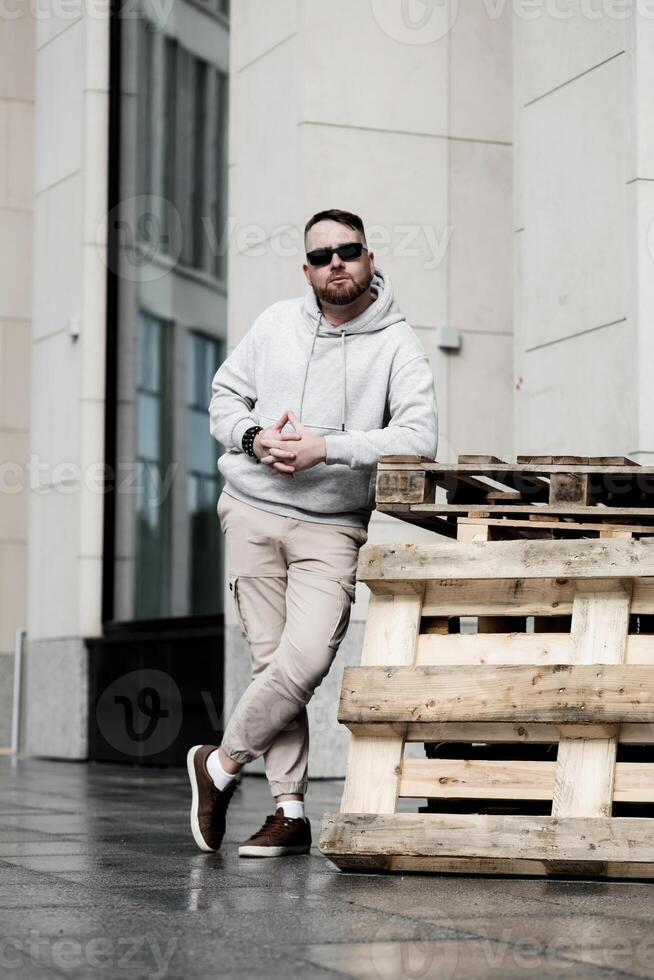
(576, 335)
(16, 231)
(68, 375)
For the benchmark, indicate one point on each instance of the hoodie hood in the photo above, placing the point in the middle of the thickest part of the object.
(382, 313)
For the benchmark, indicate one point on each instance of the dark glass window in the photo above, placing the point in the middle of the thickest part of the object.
(195, 161)
(170, 240)
(153, 462)
(199, 209)
(170, 316)
(146, 104)
(204, 480)
(219, 208)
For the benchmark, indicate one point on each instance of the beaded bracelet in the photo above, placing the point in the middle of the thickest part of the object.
(247, 441)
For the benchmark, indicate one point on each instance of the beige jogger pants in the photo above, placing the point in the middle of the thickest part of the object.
(292, 582)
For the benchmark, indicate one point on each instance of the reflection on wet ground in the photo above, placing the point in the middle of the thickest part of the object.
(99, 877)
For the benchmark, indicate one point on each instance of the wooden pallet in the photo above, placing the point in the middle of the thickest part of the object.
(585, 689)
(543, 497)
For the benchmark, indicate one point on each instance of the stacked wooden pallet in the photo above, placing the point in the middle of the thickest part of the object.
(539, 496)
(557, 672)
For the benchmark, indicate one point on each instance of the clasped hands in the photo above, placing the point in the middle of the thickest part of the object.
(288, 452)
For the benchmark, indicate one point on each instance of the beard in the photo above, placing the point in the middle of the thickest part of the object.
(343, 293)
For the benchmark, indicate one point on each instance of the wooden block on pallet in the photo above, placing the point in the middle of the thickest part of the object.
(569, 488)
(480, 531)
(472, 529)
(405, 486)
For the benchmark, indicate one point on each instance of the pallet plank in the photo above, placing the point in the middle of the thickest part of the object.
(510, 597)
(582, 558)
(409, 460)
(538, 469)
(494, 732)
(591, 511)
(523, 779)
(472, 458)
(579, 460)
(515, 648)
(373, 764)
(569, 839)
(558, 525)
(483, 866)
(438, 517)
(583, 785)
(555, 693)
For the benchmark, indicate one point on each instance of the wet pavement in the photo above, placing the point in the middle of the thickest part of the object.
(100, 878)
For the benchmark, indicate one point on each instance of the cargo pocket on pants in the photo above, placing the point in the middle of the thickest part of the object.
(346, 598)
(233, 588)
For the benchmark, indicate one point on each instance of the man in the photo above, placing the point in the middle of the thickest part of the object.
(316, 391)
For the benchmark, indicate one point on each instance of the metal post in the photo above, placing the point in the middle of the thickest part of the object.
(15, 715)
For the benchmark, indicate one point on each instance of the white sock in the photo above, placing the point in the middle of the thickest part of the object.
(292, 808)
(219, 777)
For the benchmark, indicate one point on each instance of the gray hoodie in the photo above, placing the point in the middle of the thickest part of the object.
(365, 385)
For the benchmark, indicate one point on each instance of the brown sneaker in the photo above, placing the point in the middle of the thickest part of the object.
(279, 835)
(209, 804)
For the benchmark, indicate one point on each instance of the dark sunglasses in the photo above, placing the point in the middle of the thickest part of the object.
(346, 253)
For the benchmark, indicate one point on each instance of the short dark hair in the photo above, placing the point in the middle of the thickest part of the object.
(343, 218)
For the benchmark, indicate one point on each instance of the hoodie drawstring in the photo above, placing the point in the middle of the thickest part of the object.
(306, 373)
(344, 380)
(343, 360)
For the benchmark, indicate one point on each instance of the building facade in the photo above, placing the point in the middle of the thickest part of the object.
(157, 174)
